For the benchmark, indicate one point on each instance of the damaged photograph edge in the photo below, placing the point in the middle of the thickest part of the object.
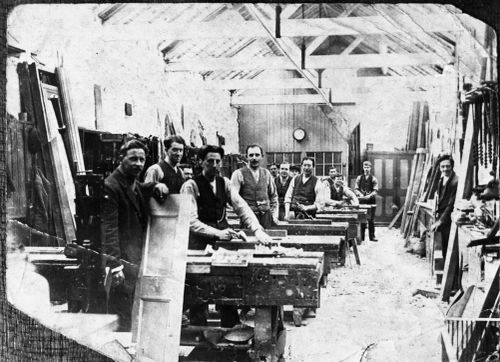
(24, 338)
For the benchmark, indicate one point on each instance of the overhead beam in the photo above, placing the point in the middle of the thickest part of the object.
(252, 29)
(339, 99)
(353, 45)
(312, 62)
(287, 99)
(301, 83)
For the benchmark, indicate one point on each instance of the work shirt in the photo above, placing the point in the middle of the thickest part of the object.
(319, 190)
(239, 205)
(173, 179)
(345, 193)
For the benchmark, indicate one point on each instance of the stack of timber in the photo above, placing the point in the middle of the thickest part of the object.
(55, 149)
(414, 193)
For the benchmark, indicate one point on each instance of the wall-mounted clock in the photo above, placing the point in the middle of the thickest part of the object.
(299, 134)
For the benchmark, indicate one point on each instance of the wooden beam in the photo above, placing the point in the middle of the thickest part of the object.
(300, 83)
(252, 29)
(285, 99)
(353, 45)
(312, 62)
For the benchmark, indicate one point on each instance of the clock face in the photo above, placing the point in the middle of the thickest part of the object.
(299, 134)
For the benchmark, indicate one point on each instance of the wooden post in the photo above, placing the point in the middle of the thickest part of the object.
(99, 123)
(452, 254)
(76, 156)
(158, 301)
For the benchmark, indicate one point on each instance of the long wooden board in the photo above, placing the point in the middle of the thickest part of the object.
(156, 325)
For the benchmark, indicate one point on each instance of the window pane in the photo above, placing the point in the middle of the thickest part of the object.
(320, 157)
(403, 170)
(388, 205)
(296, 158)
(310, 154)
(337, 157)
(389, 173)
(279, 158)
(319, 170)
(328, 157)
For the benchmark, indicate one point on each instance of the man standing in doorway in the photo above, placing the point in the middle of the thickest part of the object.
(167, 171)
(211, 193)
(256, 186)
(282, 183)
(305, 194)
(445, 200)
(366, 189)
(124, 218)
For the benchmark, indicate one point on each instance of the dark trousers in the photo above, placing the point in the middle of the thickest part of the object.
(281, 212)
(370, 216)
(445, 235)
(265, 219)
(121, 300)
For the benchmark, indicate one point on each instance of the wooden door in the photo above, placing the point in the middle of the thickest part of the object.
(392, 170)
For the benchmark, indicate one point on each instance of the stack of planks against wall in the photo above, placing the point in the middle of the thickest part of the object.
(54, 145)
(417, 140)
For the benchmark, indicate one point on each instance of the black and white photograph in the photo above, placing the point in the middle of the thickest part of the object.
(219, 182)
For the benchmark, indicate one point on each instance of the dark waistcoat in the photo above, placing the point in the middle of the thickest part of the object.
(282, 188)
(304, 193)
(366, 184)
(171, 178)
(212, 208)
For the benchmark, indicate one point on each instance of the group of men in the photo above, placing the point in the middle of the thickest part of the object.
(259, 198)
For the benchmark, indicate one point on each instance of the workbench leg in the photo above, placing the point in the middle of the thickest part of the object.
(269, 334)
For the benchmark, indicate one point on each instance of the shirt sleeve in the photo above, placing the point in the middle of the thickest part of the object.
(241, 208)
(289, 192)
(237, 180)
(195, 225)
(375, 183)
(319, 201)
(351, 196)
(273, 196)
(153, 174)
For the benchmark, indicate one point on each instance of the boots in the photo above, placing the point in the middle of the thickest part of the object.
(371, 231)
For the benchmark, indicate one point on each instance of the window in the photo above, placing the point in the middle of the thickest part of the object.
(325, 160)
(293, 158)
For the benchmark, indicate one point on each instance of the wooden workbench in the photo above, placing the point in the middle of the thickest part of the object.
(266, 283)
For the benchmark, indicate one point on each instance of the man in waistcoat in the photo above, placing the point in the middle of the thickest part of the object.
(282, 182)
(445, 200)
(167, 171)
(256, 186)
(305, 194)
(211, 193)
(366, 189)
(339, 194)
(124, 219)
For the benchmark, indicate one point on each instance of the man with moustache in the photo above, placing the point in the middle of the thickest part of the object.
(305, 194)
(211, 193)
(167, 171)
(282, 181)
(124, 218)
(445, 200)
(256, 186)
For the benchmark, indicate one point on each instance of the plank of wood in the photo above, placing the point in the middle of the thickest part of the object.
(73, 137)
(158, 301)
(99, 122)
(396, 218)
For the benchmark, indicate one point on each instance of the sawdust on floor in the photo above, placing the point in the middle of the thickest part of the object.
(369, 313)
